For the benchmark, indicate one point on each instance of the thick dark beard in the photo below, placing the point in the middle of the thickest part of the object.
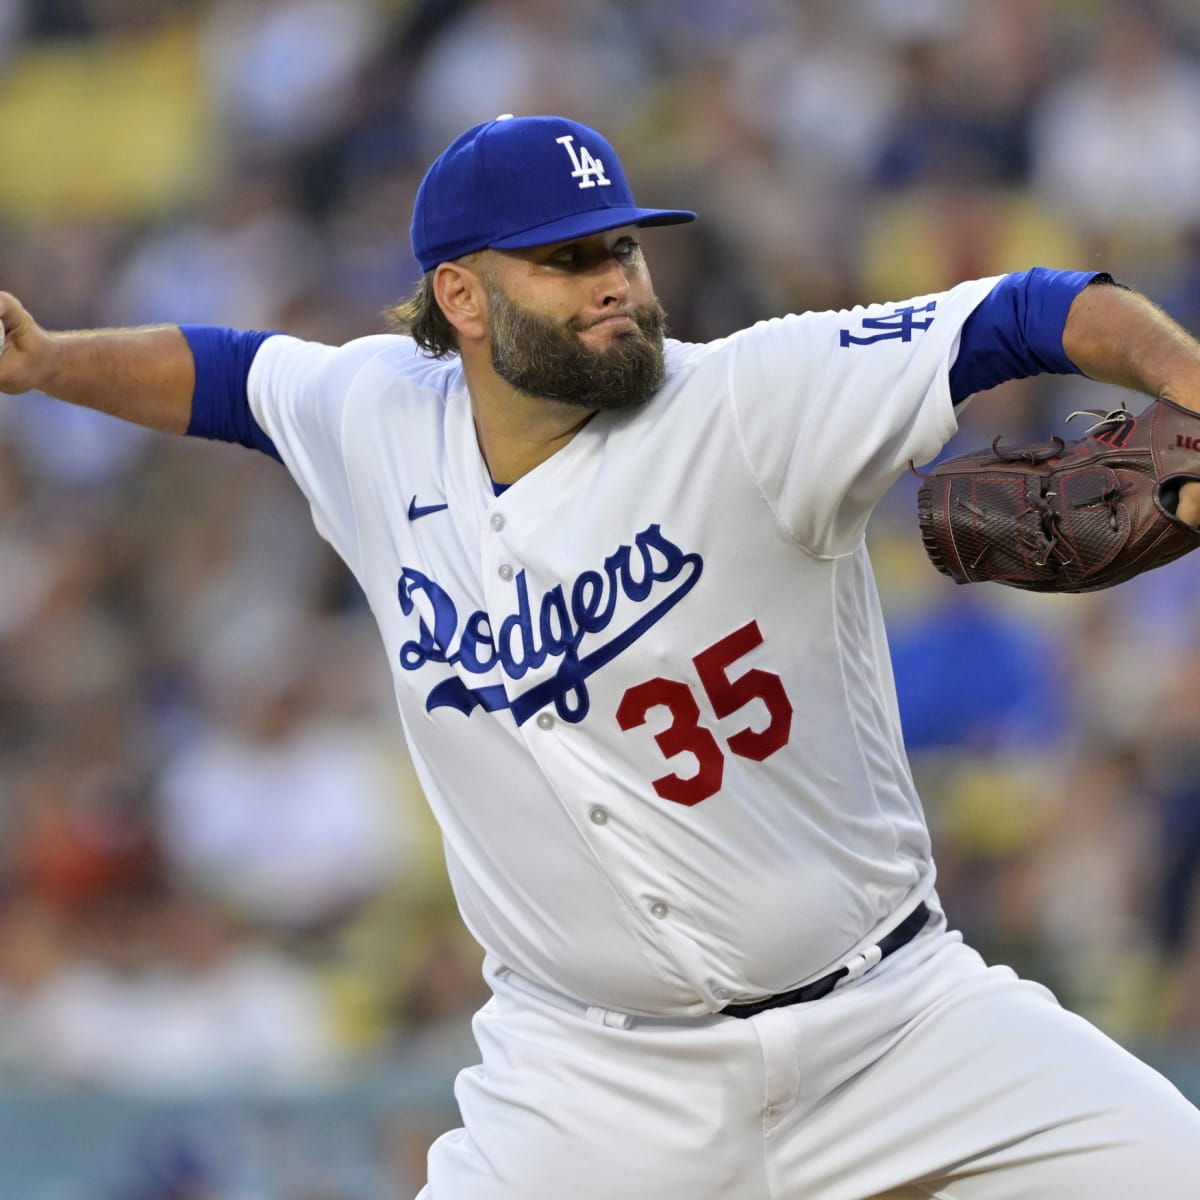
(546, 359)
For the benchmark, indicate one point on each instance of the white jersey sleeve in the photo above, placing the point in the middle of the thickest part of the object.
(832, 406)
(298, 393)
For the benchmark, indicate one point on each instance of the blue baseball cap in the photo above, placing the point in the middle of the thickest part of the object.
(523, 181)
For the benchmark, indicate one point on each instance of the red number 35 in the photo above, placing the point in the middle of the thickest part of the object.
(685, 734)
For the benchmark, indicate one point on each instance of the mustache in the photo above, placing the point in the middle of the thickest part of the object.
(648, 317)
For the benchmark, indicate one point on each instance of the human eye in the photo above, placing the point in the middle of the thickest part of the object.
(627, 251)
(565, 256)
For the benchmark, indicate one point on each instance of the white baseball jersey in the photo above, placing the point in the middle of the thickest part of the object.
(646, 688)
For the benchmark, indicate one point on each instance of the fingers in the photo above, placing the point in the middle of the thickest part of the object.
(12, 314)
(21, 353)
(10, 317)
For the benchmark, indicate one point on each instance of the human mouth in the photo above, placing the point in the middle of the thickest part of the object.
(618, 322)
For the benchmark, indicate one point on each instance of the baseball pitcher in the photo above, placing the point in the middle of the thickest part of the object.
(639, 659)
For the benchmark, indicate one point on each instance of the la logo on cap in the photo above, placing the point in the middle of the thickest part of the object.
(589, 170)
(505, 185)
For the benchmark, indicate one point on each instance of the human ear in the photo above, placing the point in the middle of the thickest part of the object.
(462, 297)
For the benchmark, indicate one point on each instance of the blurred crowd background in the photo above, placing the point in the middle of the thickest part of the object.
(218, 883)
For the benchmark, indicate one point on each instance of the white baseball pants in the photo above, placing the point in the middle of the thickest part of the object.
(931, 1076)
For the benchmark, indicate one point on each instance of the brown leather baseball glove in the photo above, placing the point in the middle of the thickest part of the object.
(1069, 516)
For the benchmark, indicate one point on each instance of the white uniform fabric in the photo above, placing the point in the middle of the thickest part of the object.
(647, 689)
(933, 1076)
(737, 496)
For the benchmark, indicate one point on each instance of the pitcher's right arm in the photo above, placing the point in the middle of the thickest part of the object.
(144, 375)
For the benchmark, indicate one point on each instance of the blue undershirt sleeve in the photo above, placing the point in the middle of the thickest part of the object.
(220, 404)
(1016, 330)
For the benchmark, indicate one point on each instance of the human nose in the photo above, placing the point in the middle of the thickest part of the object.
(612, 282)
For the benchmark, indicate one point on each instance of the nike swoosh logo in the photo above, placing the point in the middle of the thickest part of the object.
(423, 510)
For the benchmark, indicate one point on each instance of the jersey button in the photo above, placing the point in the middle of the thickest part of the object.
(497, 521)
(599, 816)
(659, 909)
(505, 572)
(545, 721)
(721, 994)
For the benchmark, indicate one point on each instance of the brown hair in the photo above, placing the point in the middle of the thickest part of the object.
(421, 317)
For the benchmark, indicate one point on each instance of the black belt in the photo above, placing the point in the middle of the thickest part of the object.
(900, 936)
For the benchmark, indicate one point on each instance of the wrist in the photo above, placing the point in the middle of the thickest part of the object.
(47, 358)
(1187, 508)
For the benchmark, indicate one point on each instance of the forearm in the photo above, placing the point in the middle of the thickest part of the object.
(142, 375)
(146, 376)
(1117, 336)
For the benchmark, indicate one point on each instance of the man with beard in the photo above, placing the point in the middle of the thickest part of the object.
(640, 663)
